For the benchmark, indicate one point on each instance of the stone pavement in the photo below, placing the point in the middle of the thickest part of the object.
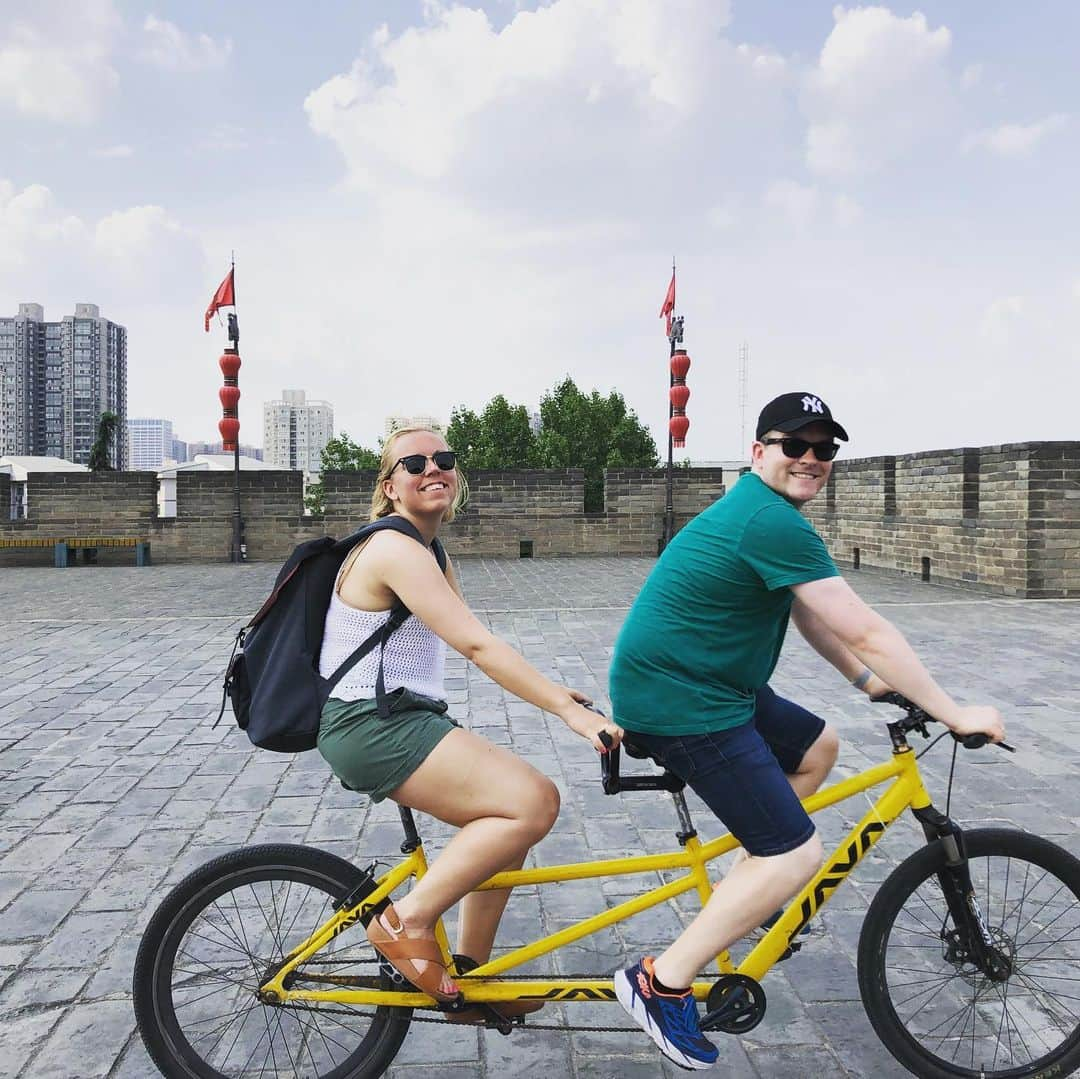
(114, 785)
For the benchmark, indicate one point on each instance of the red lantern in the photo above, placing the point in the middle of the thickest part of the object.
(678, 426)
(679, 394)
(680, 364)
(230, 364)
(230, 397)
(230, 431)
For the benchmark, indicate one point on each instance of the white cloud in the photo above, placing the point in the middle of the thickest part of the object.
(56, 62)
(119, 150)
(578, 107)
(29, 222)
(1001, 316)
(846, 211)
(797, 202)
(135, 255)
(879, 88)
(1016, 140)
(169, 47)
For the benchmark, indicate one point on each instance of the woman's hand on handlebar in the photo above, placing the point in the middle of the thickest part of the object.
(979, 719)
(588, 722)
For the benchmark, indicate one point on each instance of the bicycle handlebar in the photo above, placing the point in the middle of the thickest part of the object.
(917, 720)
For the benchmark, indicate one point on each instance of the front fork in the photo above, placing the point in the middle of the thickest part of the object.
(970, 940)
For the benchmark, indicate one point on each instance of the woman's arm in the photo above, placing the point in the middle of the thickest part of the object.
(414, 577)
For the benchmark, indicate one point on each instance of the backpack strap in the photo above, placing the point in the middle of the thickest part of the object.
(398, 615)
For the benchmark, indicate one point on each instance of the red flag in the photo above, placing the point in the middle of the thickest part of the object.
(669, 302)
(224, 297)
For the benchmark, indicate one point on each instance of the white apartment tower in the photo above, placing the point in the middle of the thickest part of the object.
(57, 378)
(296, 431)
(150, 444)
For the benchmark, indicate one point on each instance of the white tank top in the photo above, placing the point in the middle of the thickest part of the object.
(414, 658)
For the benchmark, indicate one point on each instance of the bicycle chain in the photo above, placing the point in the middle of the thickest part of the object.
(467, 977)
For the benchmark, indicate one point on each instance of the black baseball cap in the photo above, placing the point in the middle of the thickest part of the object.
(790, 411)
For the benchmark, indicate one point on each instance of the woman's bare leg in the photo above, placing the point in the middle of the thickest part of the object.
(501, 804)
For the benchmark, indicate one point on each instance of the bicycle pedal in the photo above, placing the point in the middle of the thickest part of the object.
(790, 950)
(394, 975)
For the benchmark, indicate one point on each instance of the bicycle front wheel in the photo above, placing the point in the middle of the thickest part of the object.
(933, 1008)
(213, 941)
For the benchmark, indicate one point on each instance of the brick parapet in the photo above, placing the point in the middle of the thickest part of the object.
(1001, 518)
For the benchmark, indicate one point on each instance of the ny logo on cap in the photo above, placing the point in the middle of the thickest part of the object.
(812, 404)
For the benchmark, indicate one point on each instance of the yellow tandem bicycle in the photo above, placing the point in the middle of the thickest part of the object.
(968, 958)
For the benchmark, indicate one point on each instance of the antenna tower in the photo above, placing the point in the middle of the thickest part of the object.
(744, 391)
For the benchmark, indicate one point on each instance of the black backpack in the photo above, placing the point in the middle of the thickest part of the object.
(273, 682)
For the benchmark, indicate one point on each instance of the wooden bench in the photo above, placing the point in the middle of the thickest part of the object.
(62, 547)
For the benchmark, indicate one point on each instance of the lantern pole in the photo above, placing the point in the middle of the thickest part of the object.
(230, 429)
(675, 338)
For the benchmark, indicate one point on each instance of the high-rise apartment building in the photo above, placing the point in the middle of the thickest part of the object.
(150, 443)
(395, 423)
(57, 378)
(296, 431)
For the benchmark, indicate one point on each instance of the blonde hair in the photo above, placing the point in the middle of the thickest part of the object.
(381, 505)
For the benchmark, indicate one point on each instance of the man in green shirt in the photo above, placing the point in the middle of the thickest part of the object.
(689, 684)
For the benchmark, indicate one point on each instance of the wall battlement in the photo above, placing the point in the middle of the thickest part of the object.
(1000, 518)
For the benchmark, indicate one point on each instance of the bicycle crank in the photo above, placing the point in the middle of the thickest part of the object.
(736, 1004)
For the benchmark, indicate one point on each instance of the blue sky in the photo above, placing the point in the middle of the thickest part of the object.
(431, 203)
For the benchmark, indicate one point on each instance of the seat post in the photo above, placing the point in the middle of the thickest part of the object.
(412, 836)
(686, 830)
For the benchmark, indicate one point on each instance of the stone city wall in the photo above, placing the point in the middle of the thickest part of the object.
(1000, 518)
(508, 513)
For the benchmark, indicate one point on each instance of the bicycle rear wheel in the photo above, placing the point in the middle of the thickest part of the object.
(211, 943)
(935, 1011)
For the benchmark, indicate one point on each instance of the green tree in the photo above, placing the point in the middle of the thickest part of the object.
(340, 454)
(592, 432)
(500, 437)
(99, 452)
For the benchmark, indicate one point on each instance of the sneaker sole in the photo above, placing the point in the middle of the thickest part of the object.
(633, 1007)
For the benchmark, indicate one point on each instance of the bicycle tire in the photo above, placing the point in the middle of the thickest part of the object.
(218, 931)
(906, 956)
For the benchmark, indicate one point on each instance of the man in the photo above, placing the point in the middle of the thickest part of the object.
(689, 684)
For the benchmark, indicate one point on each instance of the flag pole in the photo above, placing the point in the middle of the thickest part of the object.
(669, 505)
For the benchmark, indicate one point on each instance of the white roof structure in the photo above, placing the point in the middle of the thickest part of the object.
(18, 467)
(217, 462)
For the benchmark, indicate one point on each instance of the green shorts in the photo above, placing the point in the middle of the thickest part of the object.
(375, 756)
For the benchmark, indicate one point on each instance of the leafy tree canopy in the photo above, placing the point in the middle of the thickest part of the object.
(577, 430)
(340, 454)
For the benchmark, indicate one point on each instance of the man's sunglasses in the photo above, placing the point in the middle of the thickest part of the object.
(415, 463)
(796, 447)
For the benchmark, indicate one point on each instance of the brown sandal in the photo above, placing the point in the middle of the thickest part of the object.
(508, 1009)
(399, 950)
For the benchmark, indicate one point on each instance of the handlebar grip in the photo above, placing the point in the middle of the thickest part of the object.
(606, 739)
(977, 741)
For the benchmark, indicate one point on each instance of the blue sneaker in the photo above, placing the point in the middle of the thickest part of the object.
(671, 1021)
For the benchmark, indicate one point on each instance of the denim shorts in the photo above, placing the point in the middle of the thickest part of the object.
(741, 772)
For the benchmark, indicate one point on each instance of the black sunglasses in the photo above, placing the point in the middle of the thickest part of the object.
(415, 463)
(796, 447)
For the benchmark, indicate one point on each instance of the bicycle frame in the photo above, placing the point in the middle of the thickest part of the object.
(482, 984)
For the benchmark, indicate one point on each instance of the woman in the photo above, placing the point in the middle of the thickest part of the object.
(420, 758)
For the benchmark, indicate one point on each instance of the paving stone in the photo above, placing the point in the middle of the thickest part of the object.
(115, 784)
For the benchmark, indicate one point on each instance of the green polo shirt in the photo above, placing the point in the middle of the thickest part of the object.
(706, 629)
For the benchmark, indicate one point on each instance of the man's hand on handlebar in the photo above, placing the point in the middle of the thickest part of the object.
(979, 719)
